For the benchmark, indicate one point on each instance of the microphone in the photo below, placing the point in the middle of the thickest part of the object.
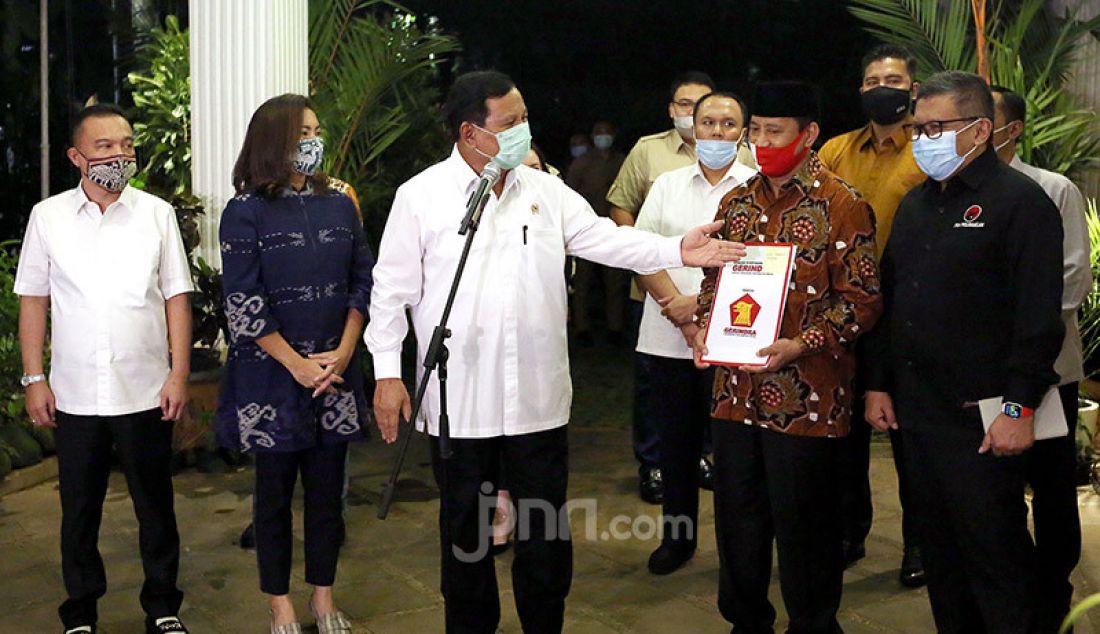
(489, 177)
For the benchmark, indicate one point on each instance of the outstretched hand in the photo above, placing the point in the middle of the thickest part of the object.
(699, 248)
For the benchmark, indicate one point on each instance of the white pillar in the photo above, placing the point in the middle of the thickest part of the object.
(243, 52)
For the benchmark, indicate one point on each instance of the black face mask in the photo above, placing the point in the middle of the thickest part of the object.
(885, 105)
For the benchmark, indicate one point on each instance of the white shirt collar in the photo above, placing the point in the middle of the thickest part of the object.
(467, 178)
(127, 199)
(736, 172)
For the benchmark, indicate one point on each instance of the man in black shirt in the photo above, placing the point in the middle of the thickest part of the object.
(972, 278)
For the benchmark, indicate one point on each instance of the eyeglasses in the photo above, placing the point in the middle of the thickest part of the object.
(932, 129)
(684, 103)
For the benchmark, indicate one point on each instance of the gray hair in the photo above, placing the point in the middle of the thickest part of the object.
(969, 92)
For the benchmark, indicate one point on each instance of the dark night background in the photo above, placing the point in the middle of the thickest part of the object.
(576, 61)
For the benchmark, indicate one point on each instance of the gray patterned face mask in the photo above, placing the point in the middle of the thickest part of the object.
(112, 172)
(310, 154)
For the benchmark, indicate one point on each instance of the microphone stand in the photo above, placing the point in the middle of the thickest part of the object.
(436, 358)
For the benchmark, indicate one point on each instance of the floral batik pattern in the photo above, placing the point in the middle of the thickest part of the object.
(833, 298)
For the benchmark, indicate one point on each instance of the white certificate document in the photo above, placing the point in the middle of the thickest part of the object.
(1050, 418)
(748, 305)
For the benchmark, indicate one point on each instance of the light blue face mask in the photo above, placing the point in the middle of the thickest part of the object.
(937, 157)
(716, 153)
(515, 143)
(310, 154)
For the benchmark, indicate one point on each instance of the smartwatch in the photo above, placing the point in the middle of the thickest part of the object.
(1015, 410)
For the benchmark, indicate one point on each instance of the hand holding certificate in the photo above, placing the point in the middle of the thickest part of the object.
(747, 310)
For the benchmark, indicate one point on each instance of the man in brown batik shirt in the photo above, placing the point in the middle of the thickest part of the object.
(775, 427)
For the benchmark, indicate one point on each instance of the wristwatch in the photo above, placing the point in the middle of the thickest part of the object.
(28, 380)
(1015, 410)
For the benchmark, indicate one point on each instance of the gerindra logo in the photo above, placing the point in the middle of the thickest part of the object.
(744, 311)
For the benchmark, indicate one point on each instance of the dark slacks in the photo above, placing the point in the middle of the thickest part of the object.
(971, 521)
(542, 568)
(322, 469)
(682, 411)
(1050, 472)
(143, 443)
(858, 509)
(772, 486)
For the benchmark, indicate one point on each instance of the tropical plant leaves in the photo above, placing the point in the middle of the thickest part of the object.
(372, 75)
(1031, 53)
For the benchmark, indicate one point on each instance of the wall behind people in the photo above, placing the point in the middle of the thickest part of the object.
(584, 60)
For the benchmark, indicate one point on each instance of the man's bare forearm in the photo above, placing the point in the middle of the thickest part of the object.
(657, 285)
(178, 314)
(32, 331)
(621, 216)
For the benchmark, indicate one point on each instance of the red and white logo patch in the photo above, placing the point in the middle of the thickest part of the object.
(972, 213)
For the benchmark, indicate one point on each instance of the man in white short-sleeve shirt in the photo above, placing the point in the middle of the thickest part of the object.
(679, 200)
(106, 262)
(1051, 470)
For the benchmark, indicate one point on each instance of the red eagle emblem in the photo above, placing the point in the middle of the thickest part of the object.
(743, 312)
(972, 213)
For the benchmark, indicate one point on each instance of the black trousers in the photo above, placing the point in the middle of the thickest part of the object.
(772, 486)
(143, 443)
(858, 509)
(682, 411)
(971, 521)
(542, 568)
(1050, 472)
(322, 469)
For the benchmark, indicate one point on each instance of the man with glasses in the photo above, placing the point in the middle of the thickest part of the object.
(972, 277)
(878, 161)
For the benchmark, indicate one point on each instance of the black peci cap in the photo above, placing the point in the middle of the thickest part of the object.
(786, 99)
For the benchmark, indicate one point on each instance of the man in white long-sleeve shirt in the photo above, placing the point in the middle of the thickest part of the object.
(509, 389)
(1051, 462)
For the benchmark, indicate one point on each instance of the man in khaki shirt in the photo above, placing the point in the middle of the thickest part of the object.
(650, 157)
(877, 160)
(590, 175)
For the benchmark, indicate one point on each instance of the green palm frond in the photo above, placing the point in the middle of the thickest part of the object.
(941, 38)
(372, 74)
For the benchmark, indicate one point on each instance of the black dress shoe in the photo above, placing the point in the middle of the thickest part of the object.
(853, 552)
(668, 558)
(650, 486)
(912, 568)
(248, 537)
(706, 474)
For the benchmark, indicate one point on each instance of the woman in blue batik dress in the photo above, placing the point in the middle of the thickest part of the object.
(297, 278)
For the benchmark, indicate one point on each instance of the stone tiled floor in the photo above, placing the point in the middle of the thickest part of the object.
(388, 580)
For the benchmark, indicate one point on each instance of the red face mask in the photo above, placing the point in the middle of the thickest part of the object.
(779, 161)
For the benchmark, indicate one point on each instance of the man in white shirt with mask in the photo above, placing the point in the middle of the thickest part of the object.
(679, 200)
(1051, 463)
(509, 387)
(103, 269)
